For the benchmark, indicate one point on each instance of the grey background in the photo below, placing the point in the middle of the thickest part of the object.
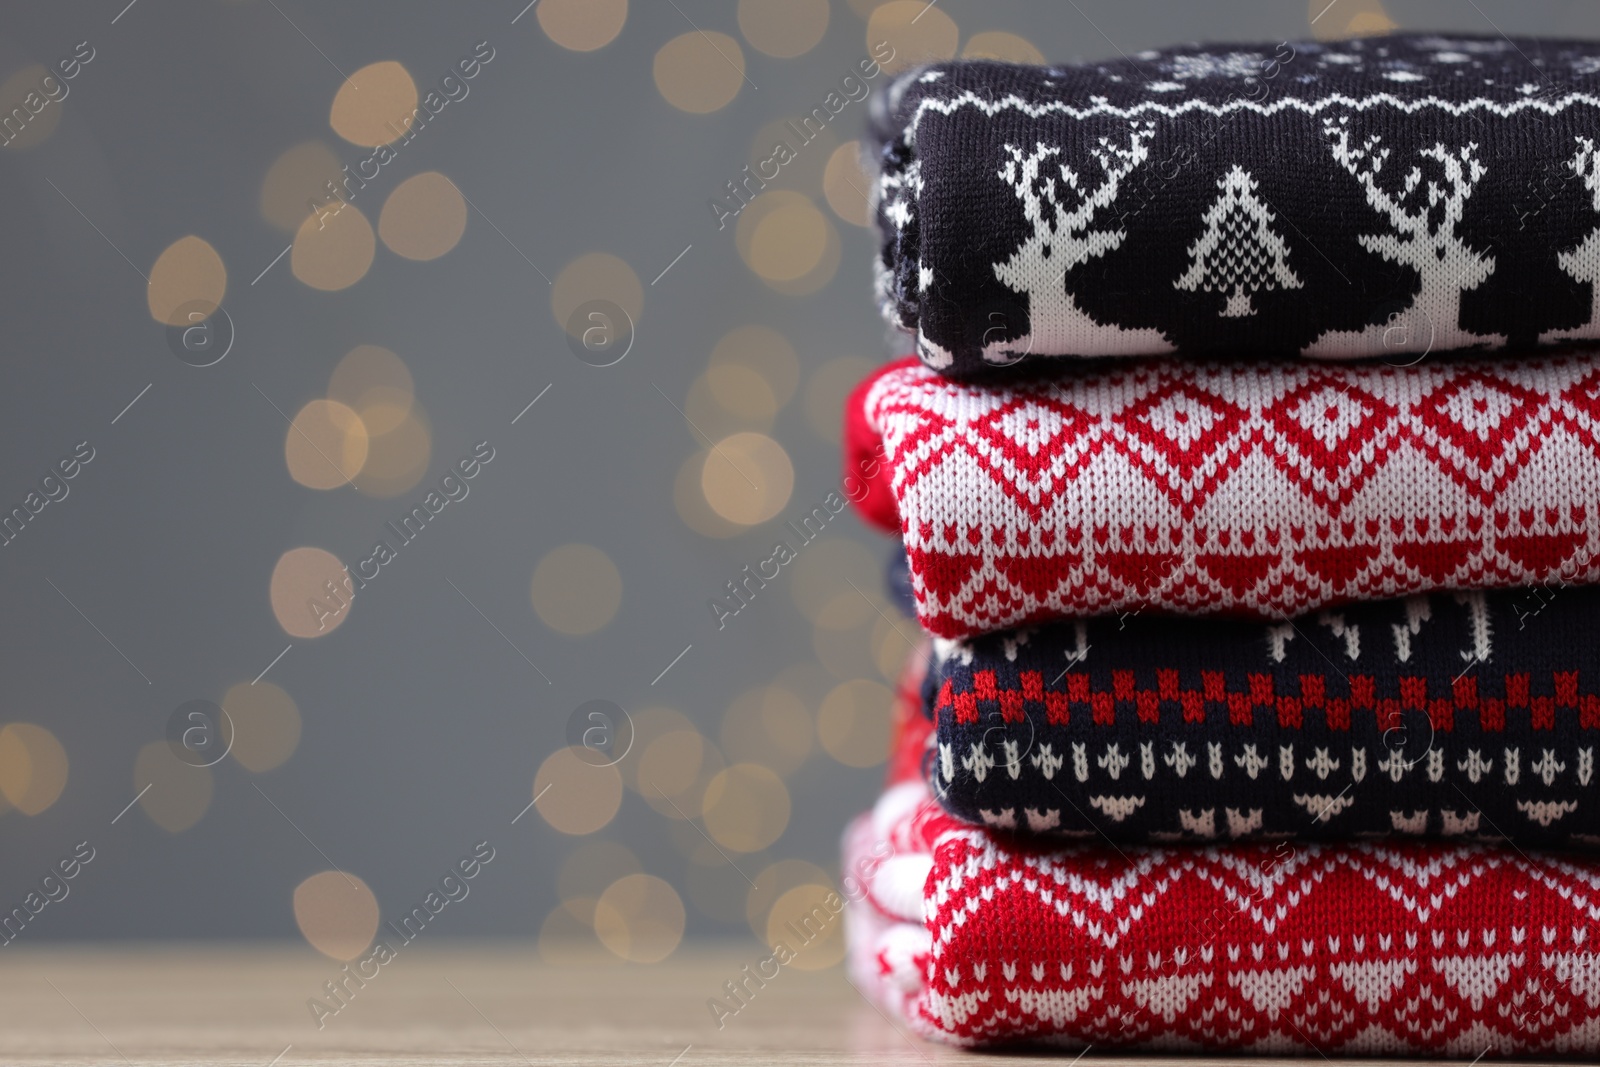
(422, 730)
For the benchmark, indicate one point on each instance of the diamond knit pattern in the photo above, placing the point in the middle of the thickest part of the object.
(1267, 489)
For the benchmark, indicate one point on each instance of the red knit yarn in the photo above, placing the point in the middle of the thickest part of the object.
(1262, 489)
(1286, 948)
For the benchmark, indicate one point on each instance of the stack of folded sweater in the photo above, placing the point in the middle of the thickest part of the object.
(1262, 695)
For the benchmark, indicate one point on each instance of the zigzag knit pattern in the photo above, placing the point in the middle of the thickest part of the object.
(1290, 949)
(1410, 193)
(1252, 489)
(1454, 715)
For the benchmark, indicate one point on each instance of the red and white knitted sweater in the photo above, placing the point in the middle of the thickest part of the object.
(1286, 948)
(1294, 948)
(1266, 489)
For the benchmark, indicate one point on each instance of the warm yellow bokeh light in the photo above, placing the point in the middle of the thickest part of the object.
(893, 640)
(670, 765)
(595, 276)
(187, 282)
(788, 242)
(773, 882)
(575, 796)
(266, 725)
(782, 236)
(178, 794)
(397, 459)
(700, 72)
(576, 589)
(917, 31)
(853, 723)
(745, 807)
(649, 724)
(333, 249)
(690, 501)
(377, 384)
(998, 44)
(725, 400)
(846, 609)
(424, 217)
(326, 445)
(639, 918)
(586, 872)
(1348, 18)
(33, 767)
(582, 25)
(783, 28)
(337, 914)
(376, 106)
(747, 478)
(764, 351)
(847, 184)
(24, 91)
(309, 592)
(769, 725)
(297, 184)
(742, 393)
(1370, 24)
(673, 762)
(810, 920)
(806, 680)
(684, 806)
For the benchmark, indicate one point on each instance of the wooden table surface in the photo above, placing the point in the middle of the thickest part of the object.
(247, 1004)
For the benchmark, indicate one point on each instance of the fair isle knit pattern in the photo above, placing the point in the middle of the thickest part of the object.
(1466, 715)
(1292, 948)
(1265, 489)
(1410, 193)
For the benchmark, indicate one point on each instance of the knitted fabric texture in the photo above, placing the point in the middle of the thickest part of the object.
(1265, 489)
(1454, 715)
(1352, 198)
(1286, 948)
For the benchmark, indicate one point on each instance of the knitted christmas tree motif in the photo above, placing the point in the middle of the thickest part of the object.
(1336, 200)
(1239, 253)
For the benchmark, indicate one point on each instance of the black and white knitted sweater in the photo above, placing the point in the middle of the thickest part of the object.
(1376, 196)
(1470, 714)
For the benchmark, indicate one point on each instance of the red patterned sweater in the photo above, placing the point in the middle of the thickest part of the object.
(1289, 948)
(1265, 489)
(974, 938)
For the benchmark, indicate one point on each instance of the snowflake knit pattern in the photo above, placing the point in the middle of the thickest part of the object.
(1392, 194)
(1288, 948)
(1266, 489)
(1453, 715)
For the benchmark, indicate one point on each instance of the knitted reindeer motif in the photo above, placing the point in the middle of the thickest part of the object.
(1583, 260)
(1423, 217)
(1061, 208)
